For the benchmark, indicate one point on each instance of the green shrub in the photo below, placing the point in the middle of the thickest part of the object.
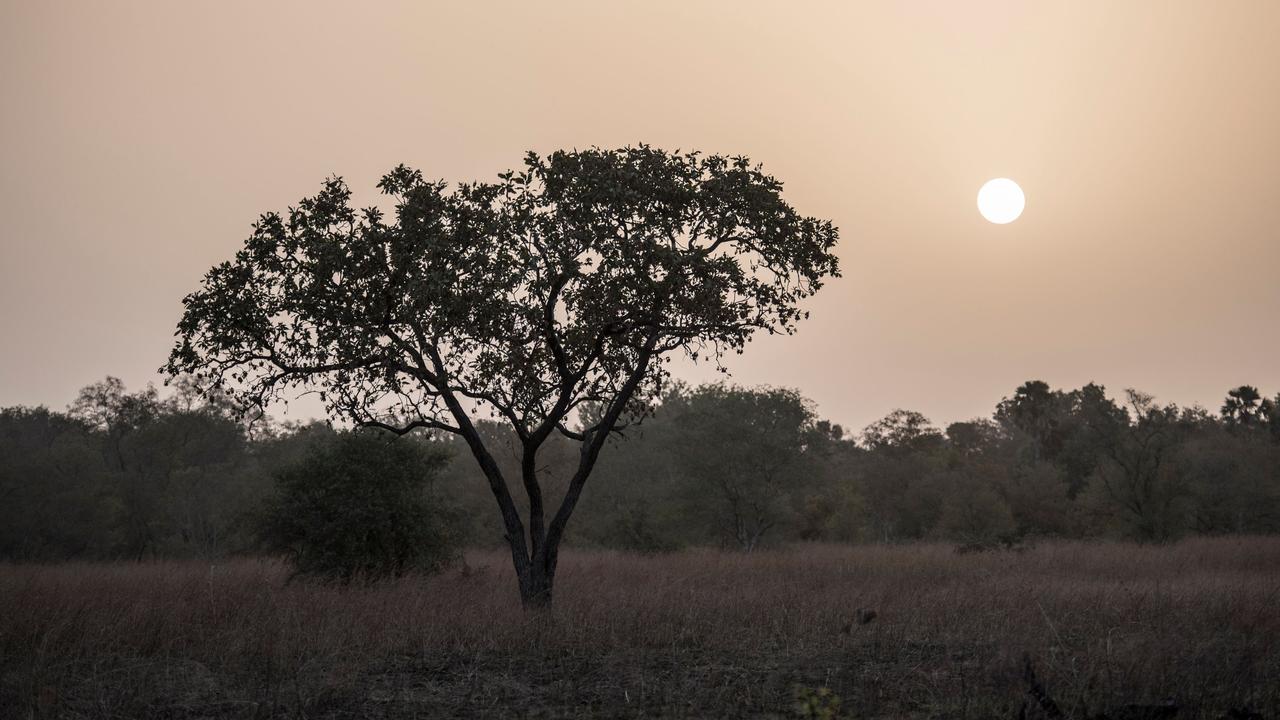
(358, 507)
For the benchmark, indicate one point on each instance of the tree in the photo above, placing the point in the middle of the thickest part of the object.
(1038, 412)
(748, 450)
(54, 503)
(974, 438)
(1065, 429)
(571, 281)
(901, 479)
(1140, 477)
(357, 508)
(1093, 424)
(901, 432)
(1246, 408)
(1232, 478)
(121, 417)
(178, 470)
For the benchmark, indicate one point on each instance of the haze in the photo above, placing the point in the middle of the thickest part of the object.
(140, 141)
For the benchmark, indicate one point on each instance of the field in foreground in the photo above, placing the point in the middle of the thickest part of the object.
(1108, 628)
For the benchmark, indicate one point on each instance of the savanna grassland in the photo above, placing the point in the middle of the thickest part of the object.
(1188, 630)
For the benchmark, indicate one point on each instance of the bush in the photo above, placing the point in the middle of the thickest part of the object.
(359, 507)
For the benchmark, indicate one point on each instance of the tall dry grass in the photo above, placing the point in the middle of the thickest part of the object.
(699, 633)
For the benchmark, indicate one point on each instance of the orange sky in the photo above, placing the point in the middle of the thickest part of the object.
(140, 140)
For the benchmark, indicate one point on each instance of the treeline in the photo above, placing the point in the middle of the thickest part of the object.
(737, 467)
(136, 475)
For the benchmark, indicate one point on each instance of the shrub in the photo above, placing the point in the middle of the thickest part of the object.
(359, 507)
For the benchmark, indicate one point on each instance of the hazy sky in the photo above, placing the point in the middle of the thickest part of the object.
(140, 140)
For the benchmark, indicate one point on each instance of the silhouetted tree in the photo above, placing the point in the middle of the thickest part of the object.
(1038, 412)
(1246, 408)
(568, 282)
(902, 431)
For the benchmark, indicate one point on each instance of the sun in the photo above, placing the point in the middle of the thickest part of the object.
(1001, 201)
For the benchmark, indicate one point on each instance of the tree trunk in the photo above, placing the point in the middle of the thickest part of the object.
(537, 579)
(535, 590)
(535, 562)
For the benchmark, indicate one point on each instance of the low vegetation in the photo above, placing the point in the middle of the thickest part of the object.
(359, 507)
(1107, 629)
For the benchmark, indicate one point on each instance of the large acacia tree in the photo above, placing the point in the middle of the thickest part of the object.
(565, 286)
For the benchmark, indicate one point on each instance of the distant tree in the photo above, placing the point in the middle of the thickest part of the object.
(902, 431)
(978, 484)
(902, 478)
(975, 438)
(209, 481)
(55, 503)
(747, 450)
(358, 508)
(177, 469)
(108, 407)
(1037, 411)
(569, 282)
(1066, 429)
(124, 474)
(1093, 424)
(828, 505)
(1140, 476)
(1245, 407)
(121, 417)
(637, 503)
(660, 488)
(1004, 494)
(1233, 480)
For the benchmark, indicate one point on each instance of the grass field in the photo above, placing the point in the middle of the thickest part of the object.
(1111, 630)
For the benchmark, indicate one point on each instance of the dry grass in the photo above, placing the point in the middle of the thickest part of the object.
(693, 634)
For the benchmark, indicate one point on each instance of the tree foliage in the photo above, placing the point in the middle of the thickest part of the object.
(566, 283)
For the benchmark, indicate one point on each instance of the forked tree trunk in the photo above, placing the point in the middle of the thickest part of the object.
(535, 555)
(536, 566)
(537, 584)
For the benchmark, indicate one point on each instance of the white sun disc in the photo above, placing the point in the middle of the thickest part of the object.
(1001, 201)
